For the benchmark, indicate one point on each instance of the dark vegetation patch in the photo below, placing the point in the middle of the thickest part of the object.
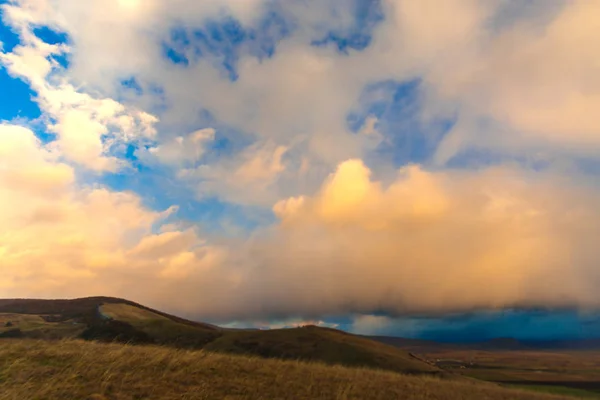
(115, 331)
(12, 333)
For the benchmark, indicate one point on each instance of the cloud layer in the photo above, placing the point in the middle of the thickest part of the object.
(435, 241)
(417, 157)
(429, 242)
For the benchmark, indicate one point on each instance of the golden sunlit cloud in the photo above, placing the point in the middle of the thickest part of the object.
(129, 3)
(429, 242)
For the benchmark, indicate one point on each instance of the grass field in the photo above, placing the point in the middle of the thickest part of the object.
(572, 372)
(46, 370)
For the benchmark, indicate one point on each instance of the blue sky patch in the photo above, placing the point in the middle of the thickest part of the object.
(224, 41)
(50, 36)
(213, 215)
(368, 14)
(174, 55)
(397, 106)
(17, 99)
(8, 37)
(131, 84)
(480, 326)
(63, 60)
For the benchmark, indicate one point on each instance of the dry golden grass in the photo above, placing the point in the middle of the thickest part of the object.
(39, 370)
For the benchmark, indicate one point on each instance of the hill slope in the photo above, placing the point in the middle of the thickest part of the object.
(100, 318)
(109, 319)
(312, 343)
(80, 309)
(95, 371)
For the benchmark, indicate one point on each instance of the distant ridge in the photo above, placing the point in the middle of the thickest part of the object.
(502, 343)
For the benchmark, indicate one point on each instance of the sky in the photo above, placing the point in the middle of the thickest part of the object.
(416, 168)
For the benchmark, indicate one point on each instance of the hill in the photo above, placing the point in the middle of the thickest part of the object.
(312, 343)
(77, 369)
(80, 309)
(100, 318)
(110, 319)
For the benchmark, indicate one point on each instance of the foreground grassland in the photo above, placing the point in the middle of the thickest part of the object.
(47, 370)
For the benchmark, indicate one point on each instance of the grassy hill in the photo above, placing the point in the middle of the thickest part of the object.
(320, 344)
(83, 310)
(109, 319)
(100, 318)
(31, 369)
(161, 328)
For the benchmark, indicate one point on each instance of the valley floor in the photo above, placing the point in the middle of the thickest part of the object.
(73, 369)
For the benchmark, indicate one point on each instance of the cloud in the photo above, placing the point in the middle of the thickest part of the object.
(535, 78)
(87, 127)
(539, 92)
(431, 241)
(256, 111)
(59, 237)
(370, 324)
(28, 167)
(182, 150)
(258, 166)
